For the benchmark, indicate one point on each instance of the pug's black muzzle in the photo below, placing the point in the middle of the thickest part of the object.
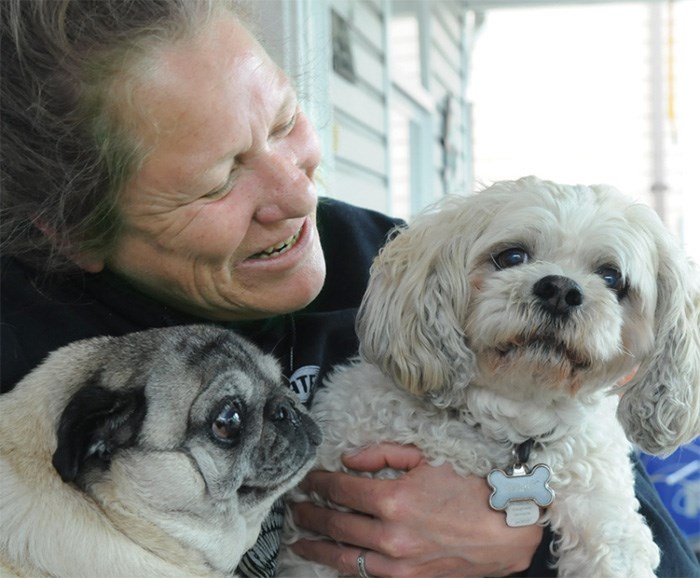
(291, 422)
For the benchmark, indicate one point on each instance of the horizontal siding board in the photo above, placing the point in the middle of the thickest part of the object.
(448, 78)
(374, 6)
(360, 147)
(368, 109)
(360, 189)
(369, 68)
(447, 18)
(368, 24)
(445, 45)
(377, 132)
(342, 7)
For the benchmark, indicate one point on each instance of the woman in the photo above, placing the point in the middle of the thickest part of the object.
(157, 170)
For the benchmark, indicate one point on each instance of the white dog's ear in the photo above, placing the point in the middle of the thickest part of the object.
(411, 320)
(660, 408)
(94, 424)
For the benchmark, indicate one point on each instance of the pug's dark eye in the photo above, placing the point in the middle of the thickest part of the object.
(613, 279)
(227, 425)
(510, 258)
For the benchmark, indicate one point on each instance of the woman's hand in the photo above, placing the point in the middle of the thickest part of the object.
(429, 522)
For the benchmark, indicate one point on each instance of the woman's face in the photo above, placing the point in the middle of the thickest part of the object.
(220, 219)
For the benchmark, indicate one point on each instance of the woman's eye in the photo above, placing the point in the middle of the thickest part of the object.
(286, 128)
(613, 279)
(510, 258)
(224, 189)
(228, 424)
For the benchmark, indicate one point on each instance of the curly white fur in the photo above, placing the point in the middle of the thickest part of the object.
(463, 357)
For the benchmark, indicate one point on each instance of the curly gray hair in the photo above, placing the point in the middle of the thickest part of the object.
(67, 151)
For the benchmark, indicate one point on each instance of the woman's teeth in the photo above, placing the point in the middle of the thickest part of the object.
(279, 248)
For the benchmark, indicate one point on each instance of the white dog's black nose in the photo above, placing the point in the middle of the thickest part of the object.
(559, 295)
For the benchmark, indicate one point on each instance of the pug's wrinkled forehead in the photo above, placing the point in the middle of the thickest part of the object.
(185, 370)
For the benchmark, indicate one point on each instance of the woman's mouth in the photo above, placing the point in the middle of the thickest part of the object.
(277, 249)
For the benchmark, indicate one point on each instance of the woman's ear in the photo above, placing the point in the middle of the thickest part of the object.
(88, 263)
(83, 259)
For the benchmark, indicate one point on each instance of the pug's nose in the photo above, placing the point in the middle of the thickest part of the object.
(557, 294)
(284, 413)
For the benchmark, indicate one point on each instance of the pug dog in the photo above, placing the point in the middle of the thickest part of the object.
(157, 453)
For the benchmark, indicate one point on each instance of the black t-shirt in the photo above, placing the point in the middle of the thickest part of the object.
(39, 315)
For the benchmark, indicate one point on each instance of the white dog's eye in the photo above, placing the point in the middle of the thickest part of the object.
(510, 258)
(613, 279)
(228, 424)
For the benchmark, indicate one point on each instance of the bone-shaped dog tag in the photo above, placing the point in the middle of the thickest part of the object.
(521, 493)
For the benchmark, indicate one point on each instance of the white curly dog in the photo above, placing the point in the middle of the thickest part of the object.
(503, 322)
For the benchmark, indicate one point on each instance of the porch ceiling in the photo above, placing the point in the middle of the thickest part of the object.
(481, 5)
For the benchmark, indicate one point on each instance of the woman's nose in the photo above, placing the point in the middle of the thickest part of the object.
(304, 143)
(286, 186)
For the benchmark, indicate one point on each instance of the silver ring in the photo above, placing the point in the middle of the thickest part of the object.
(362, 565)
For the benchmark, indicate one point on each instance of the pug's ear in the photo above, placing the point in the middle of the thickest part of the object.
(95, 423)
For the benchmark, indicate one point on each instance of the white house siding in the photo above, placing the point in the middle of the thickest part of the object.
(367, 158)
(449, 69)
(359, 118)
